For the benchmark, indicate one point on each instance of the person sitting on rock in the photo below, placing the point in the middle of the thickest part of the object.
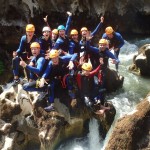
(103, 52)
(36, 70)
(56, 71)
(24, 51)
(89, 91)
(115, 39)
(62, 43)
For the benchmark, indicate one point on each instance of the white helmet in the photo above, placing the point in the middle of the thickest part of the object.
(46, 29)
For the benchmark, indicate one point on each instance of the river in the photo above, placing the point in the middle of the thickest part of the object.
(135, 88)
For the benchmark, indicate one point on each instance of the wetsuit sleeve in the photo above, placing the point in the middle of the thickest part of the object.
(95, 71)
(38, 68)
(69, 57)
(47, 71)
(120, 39)
(57, 44)
(92, 48)
(96, 29)
(110, 55)
(21, 45)
(68, 24)
(104, 36)
(71, 48)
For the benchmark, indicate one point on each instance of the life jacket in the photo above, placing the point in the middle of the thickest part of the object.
(105, 59)
(45, 45)
(85, 84)
(59, 70)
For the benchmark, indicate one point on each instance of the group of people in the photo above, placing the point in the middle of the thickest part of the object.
(58, 56)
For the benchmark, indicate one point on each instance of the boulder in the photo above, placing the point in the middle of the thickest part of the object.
(25, 123)
(141, 61)
(114, 80)
(133, 130)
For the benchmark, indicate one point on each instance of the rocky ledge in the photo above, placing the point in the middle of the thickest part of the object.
(133, 130)
(24, 123)
(141, 61)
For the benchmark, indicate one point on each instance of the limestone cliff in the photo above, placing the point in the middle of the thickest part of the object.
(124, 16)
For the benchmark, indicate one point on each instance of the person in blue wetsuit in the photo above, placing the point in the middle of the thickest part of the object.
(24, 51)
(45, 41)
(56, 71)
(85, 55)
(54, 32)
(103, 54)
(62, 43)
(36, 70)
(115, 39)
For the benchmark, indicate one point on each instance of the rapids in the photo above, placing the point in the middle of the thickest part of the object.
(134, 89)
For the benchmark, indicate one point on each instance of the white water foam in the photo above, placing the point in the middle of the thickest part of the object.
(93, 136)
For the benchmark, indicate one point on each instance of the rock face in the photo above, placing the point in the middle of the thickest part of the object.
(125, 16)
(133, 130)
(141, 61)
(24, 123)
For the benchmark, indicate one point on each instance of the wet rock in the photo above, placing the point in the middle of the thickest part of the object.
(16, 14)
(141, 61)
(114, 80)
(26, 122)
(133, 130)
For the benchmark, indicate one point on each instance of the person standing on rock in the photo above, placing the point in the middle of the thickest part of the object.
(84, 54)
(24, 51)
(36, 70)
(115, 39)
(104, 54)
(58, 71)
(62, 43)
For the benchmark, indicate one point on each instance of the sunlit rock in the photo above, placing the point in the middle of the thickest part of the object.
(141, 61)
(132, 131)
(22, 115)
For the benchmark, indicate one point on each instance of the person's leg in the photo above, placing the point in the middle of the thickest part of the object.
(71, 91)
(50, 97)
(15, 67)
(31, 86)
(117, 55)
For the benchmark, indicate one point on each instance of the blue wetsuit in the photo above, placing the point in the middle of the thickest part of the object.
(63, 43)
(45, 44)
(117, 42)
(57, 72)
(83, 41)
(36, 72)
(24, 52)
(106, 54)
